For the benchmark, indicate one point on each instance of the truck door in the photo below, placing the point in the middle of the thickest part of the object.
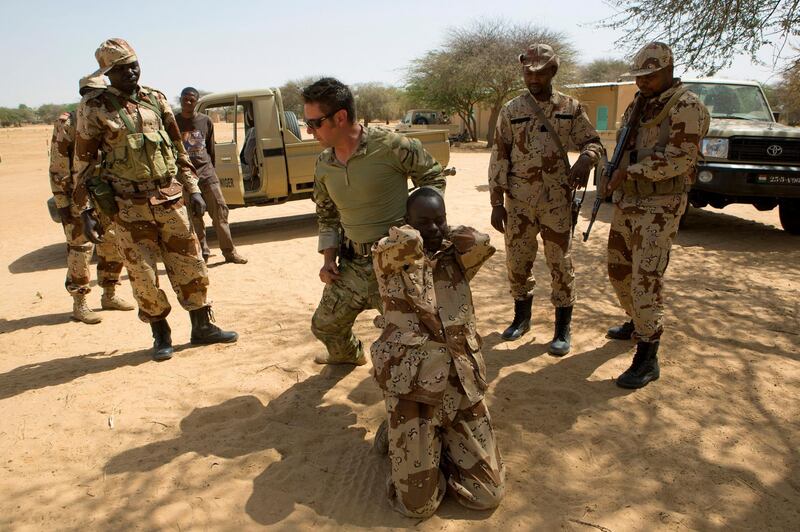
(228, 134)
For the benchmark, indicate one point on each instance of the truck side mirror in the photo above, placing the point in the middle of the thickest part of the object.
(776, 116)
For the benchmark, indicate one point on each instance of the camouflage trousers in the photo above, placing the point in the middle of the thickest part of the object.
(218, 210)
(551, 219)
(355, 291)
(149, 232)
(79, 256)
(638, 254)
(450, 447)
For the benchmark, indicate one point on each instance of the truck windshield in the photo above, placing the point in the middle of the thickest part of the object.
(406, 119)
(744, 102)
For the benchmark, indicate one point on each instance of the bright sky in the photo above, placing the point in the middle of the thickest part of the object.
(45, 47)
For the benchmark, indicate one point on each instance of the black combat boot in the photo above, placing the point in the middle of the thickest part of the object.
(644, 367)
(560, 344)
(621, 332)
(162, 336)
(205, 332)
(522, 319)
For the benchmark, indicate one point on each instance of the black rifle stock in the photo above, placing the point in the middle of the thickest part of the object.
(625, 134)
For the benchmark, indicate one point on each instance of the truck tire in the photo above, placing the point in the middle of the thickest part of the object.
(789, 212)
(292, 124)
(683, 222)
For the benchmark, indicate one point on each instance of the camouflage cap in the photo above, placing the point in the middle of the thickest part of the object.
(114, 52)
(92, 82)
(651, 58)
(538, 56)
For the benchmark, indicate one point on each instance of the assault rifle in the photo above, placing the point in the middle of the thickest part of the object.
(626, 132)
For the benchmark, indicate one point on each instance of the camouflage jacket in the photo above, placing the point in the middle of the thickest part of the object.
(101, 128)
(687, 123)
(524, 149)
(62, 147)
(368, 195)
(428, 313)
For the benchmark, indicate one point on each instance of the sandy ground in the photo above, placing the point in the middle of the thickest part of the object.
(95, 436)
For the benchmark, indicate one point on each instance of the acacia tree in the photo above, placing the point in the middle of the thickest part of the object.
(606, 69)
(785, 95)
(494, 47)
(376, 101)
(707, 34)
(479, 64)
(447, 80)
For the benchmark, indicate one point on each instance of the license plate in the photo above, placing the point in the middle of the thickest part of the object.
(778, 180)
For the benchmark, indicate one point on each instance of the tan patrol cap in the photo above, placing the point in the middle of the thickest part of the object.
(538, 56)
(92, 82)
(113, 52)
(651, 58)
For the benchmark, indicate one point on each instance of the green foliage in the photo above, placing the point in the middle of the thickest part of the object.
(601, 70)
(784, 96)
(479, 64)
(45, 114)
(376, 101)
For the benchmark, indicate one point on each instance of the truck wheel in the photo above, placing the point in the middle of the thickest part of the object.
(292, 124)
(683, 222)
(789, 211)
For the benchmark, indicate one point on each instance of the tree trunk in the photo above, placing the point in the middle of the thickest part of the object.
(492, 123)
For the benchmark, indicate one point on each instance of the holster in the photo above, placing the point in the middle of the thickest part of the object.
(102, 195)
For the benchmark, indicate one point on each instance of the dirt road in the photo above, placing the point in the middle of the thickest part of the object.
(95, 436)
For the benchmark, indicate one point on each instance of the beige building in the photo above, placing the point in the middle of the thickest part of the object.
(604, 103)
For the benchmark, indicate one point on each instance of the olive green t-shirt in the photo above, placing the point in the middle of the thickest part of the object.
(368, 195)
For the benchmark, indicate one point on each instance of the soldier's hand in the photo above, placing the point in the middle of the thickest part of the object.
(499, 218)
(92, 229)
(65, 213)
(579, 173)
(329, 272)
(617, 178)
(197, 204)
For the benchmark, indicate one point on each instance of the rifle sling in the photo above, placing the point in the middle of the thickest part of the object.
(543, 119)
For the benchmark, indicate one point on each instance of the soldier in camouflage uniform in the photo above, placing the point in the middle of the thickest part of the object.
(142, 156)
(429, 365)
(531, 184)
(650, 193)
(360, 189)
(79, 249)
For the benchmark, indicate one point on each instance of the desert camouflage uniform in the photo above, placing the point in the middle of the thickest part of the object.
(661, 166)
(528, 169)
(152, 221)
(79, 250)
(362, 200)
(429, 365)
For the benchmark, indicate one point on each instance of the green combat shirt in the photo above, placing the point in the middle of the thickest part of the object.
(368, 195)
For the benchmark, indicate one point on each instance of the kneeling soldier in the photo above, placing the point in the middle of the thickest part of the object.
(429, 364)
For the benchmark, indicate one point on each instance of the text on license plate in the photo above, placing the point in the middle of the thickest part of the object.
(778, 179)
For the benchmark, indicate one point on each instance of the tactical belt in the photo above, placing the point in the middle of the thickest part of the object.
(360, 250)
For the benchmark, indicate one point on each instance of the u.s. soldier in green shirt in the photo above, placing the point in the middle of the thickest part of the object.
(360, 188)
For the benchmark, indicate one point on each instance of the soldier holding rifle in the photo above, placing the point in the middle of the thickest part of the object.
(657, 166)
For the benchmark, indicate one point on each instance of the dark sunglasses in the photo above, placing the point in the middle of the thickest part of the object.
(316, 123)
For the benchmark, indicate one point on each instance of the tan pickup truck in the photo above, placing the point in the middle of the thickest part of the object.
(261, 158)
(276, 165)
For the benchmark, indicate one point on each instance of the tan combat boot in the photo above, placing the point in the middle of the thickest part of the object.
(111, 301)
(82, 312)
